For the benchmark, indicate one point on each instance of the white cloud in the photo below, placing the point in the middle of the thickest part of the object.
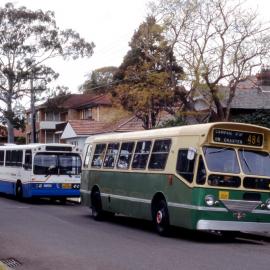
(109, 24)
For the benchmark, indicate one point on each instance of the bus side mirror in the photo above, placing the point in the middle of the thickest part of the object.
(191, 153)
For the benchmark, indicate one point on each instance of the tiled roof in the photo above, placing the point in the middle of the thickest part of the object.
(96, 100)
(130, 124)
(79, 101)
(251, 95)
(90, 127)
(87, 127)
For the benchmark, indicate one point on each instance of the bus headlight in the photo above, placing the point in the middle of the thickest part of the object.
(267, 204)
(209, 200)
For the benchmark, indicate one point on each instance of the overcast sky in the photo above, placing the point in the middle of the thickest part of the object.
(110, 24)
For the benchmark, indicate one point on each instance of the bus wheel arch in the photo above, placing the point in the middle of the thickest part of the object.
(96, 203)
(160, 214)
(19, 190)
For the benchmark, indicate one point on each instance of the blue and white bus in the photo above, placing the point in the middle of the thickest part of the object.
(40, 170)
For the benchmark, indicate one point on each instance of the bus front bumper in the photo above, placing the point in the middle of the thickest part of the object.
(233, 226)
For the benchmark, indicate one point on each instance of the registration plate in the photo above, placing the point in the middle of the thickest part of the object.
(223, 195)
(66, 185)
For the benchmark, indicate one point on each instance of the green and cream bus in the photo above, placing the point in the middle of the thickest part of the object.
(212, 176)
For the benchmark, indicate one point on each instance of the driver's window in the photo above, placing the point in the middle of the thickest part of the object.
(185, 165)
(201, 174)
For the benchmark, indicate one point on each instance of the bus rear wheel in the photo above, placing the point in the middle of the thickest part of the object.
(161, 218)
(19, 191)
(96, 205)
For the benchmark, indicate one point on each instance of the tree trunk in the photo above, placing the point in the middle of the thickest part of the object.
(9, 116)
(229, 101)
(10, 130)
(219, 107)
(33, 113)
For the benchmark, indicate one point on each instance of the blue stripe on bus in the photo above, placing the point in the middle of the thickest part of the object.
(39, 190)
(7, 187)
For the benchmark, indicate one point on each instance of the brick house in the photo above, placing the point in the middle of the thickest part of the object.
(76, 131)
(74, 117)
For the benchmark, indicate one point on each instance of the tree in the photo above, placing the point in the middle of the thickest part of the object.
(100, 81)
(27, 40)
(217, 42)
(148, 75)
(258, 117)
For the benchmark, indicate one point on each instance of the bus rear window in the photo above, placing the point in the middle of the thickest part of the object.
(57, 163)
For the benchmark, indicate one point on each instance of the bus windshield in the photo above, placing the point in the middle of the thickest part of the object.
(254, 162)
(57, 163)
(222, 160)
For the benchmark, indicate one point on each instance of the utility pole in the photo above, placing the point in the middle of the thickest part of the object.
(33, 112)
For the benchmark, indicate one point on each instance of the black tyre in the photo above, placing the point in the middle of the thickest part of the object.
(229, 235)
(19, 191)
(161, 218)
(97, 212)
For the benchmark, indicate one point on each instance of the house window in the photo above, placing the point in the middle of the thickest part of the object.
(29, 117)
(49, 136)
(56, 138)
(51, 116)
(86, 114)
(38, 116)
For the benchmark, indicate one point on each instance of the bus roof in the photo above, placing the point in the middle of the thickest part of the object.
(188, 130)
(32, 146)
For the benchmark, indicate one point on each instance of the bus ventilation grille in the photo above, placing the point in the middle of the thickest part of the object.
(240, 206)
(11, 263)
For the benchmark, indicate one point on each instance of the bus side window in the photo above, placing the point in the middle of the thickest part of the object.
(111, 155)
(28, 160)
(8, 158)
(159, 154)
(18, 158)
(185, 166)
(98, 155)
(87, 155)
(2, 154)
(201, 174)
(141, 154)
(125, 155)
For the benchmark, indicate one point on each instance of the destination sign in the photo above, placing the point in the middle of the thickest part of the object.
(237, 137)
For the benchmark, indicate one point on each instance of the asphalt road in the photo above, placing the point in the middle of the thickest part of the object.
(46, 235)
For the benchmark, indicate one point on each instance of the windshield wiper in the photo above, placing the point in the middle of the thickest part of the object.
(218, 151)
(245, 160)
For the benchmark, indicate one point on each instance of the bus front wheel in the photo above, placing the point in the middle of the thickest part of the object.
(161, 218)
(96, 205)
